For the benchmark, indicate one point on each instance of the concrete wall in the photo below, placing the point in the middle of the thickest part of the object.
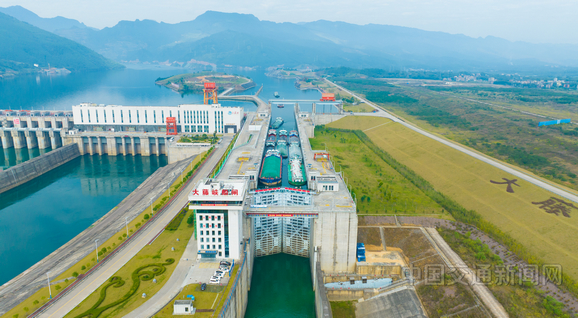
(35, 167)
(236, 303)
(324, 119)
(180, 151)
(378, 270)
(322, 305)
(117, 144)
(345, 294)
(336, 234)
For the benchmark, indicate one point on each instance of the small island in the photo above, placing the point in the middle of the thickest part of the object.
(193, 83)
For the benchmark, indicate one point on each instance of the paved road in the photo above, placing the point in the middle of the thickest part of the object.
(554, 188)
(479, 288)
(27, 283)
(172, 288)
(88, 285)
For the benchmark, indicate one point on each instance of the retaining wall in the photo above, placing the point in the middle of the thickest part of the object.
(35, 167)
(236, 302)
(322, 306)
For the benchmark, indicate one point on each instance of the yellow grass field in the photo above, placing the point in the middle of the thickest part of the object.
(467, 180)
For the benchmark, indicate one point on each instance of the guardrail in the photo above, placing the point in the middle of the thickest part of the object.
(222, 162)
(81, 278)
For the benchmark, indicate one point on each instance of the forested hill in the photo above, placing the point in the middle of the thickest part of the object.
(244, 40)
(23, 45)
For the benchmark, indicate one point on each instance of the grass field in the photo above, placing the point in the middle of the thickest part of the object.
(378, 187)
(467, 180)
(211, 300)
(519, 300)
(343, 309)
(157, 252)
(493, 120)
(359, 108)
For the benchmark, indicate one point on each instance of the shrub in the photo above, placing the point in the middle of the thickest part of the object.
(190, 220)
(75, 274)
(174, 224)
(137, 225)
(36, 302)
(57, 287)
(82, 268)
(143, 273)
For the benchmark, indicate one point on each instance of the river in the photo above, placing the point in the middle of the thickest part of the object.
(42, 215)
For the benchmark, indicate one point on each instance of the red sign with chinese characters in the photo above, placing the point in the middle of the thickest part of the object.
(216, 192)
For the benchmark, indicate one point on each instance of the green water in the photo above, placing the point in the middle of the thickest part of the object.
(281, 287)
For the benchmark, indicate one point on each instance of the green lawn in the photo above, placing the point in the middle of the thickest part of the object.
(158, 252)
(211, 300)
(378, 187)
(343, 309)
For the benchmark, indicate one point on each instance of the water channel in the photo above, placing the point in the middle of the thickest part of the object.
(281, 288)
(42, 215)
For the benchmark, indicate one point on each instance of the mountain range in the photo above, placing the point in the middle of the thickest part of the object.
(24, 46)
(244, 40)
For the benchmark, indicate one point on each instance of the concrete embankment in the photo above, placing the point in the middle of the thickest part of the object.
(35, 167)
(322, 305)
(27, 283)
(235, 304)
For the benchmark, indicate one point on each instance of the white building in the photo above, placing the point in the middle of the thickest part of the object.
(183, 307)
(219, 217)
(190, 118)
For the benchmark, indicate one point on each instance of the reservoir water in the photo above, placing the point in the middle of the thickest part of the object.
(281, 288)
(40, 216)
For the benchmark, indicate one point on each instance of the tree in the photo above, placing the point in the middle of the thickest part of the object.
(190, 220)
(75, 274)
(147, 216)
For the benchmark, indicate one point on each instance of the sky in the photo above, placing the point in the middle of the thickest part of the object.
(552, 21)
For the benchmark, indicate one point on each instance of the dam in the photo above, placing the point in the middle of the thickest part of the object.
(317, 221)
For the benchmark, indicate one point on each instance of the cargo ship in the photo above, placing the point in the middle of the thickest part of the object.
(283, 135)
(271, 169)
(277, 123)
(271, 138)
(296, 173)
(295, 151)
(293, 137)
(282, 148)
